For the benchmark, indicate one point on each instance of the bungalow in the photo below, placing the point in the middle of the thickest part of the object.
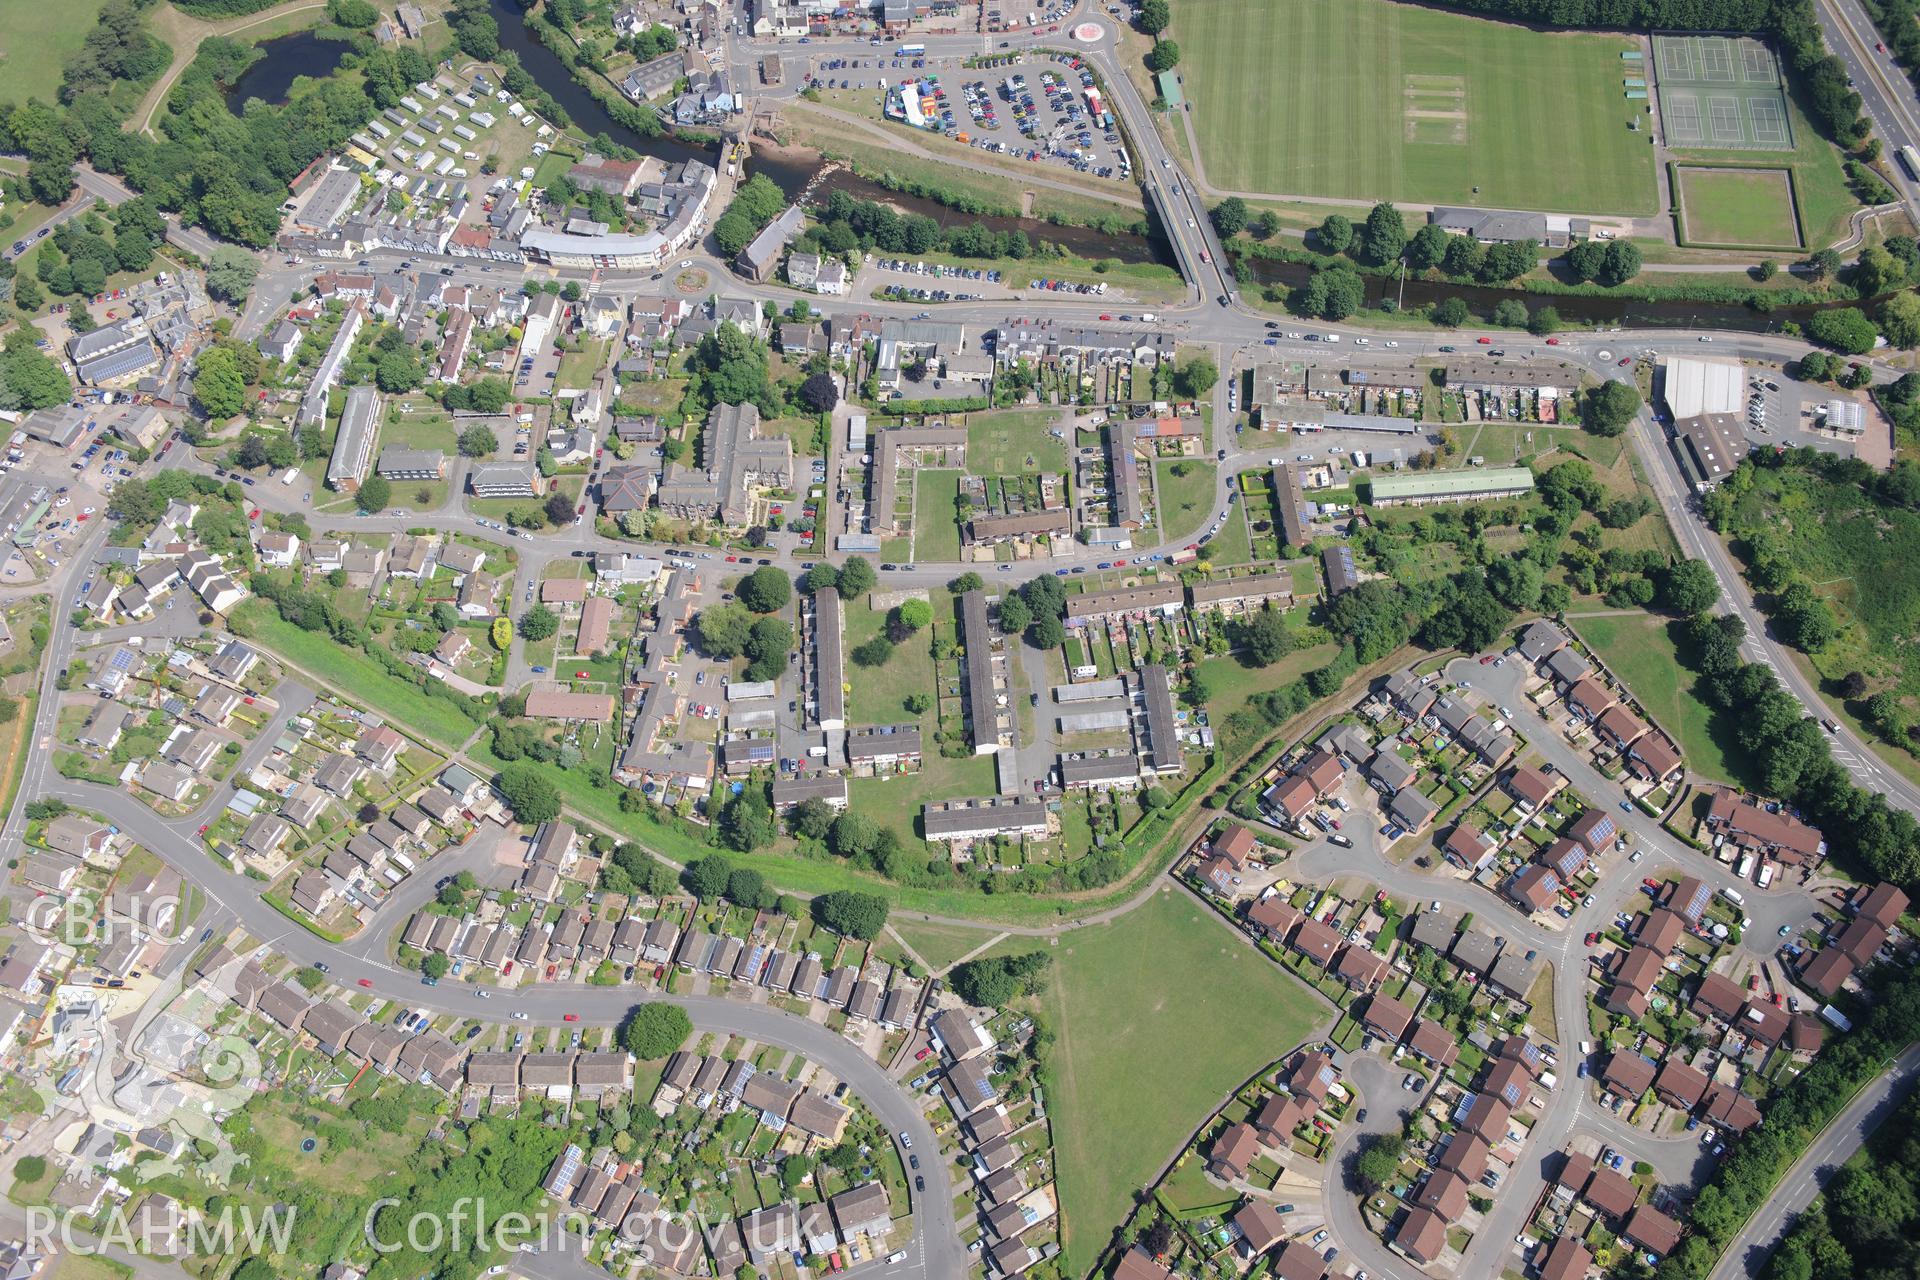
(1316, 941)
(1280, 1115)
(1589, 698)
(1654, 758)
(1566, 857)
(1312, 1075)
(1566, 668)
(1567, 1259)
(1274, 916)
(1388, 771)
(1718, 996)
(1260, 1226)
(1411, 810)
(1540, 641)
(1731, 1109)
(1660, 930)
(1444, 1193)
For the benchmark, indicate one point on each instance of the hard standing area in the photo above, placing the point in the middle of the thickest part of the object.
(1719, 93)
(1372, 99)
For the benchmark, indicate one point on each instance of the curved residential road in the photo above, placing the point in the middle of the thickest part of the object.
(1816, 1166)
(936, 1249)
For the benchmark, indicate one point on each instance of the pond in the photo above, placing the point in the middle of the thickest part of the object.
(283, 60)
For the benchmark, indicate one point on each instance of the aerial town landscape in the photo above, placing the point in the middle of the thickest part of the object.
(1077, 639)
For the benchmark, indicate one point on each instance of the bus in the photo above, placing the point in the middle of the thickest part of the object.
(910, 51)
(1910, 161)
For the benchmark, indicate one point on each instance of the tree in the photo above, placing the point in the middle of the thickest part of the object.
(812, 818)
(230, 274)
(559, 507)
(1610, 407)
(1767, 270)
(538, 623)
(653, 1031)
(374, 494)
(1824, 264)
(1014, 615)
(434, 965)
(1384, 235)
(1510, 313)
(529, 793)
(478, 442)
(1195, 378)
(1379, 1160)
(398, 371)
(218, 386)
(1845, 329)
(1047, 632)
(1450, 312)
(820, 392)
(1544, 321)
(1583, 260)
(1155, 17)
(971, 581)
(724, 630)
(915, 614)
(1335, 233)
(857, 577)
(997, 981)
(1267, 638)
(1230, 216)
(1619, 263)
(873, 653)
(746, 824)
(706, 878)
(918, 703)
(1900, 319)
(851, 914)
(1165, 56)
(1427, 247)
(1267, 225)
(1689, 587)
(765, 590)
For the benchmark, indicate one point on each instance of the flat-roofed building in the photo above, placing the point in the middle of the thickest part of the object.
(353, 443)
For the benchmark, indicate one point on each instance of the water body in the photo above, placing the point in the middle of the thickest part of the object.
(283, 60)
(793, 171)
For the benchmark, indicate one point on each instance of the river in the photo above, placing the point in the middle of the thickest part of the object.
(793, 171)
(283, 60)
(1574, 309)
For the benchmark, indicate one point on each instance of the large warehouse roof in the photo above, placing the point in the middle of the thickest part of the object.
(1694, 387)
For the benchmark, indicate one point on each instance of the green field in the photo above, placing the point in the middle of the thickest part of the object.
(35, 44)
(1186, 500)
(1373, 100)
(941, 945)
(360, 678)
(1014, 443)
(936, 532)
(1638, 649)
(1738, 207)
(1158, 1015)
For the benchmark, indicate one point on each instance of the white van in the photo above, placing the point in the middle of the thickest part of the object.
(293, 473)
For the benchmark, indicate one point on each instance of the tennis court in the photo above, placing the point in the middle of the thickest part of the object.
(1721, 93)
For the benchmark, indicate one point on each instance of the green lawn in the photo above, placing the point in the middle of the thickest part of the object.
(895, 802)
(941, 944)
(936, 534)
(1372, 100)
(1185, 501)
(1158, 1015)
(877, 695)
(1015, 442)
(361, 679)
(35, 44)
(1738, 206)
(1638, 648)
(1232, 683)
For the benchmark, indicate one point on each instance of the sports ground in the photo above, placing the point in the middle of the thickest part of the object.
(1738, 207)
(1372, 99)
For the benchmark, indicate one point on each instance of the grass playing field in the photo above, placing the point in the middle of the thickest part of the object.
(1373, 99)
(1640, 650)
(1158, 1015)
(1738, 207)
(35, 42)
